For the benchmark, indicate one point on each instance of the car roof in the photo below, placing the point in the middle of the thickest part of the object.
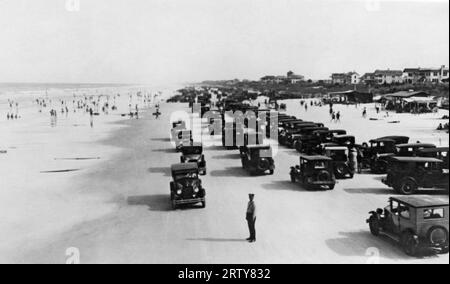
(184, 167)
(315, 158)
(433, 150)
(416, 159)
(422, 201)
(395, 137)
(416, 145)
(337, 148)
(382, 140)
(344, 136)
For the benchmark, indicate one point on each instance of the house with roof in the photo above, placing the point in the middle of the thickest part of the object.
(345, 78)
(291, 78)
(388, 77)
(426, 75)
(350, 97)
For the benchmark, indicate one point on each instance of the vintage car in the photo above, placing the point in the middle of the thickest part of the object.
(287, 138)
(344, 140)
(377, 147)
(314, 172)
(177, 126)
(183, 137)
(381, 161)
(440, 153)
(418, 224)
(258, 159)
(186, 186)
(194, 154)
(304, 135)
(341, 162)
(406, 175)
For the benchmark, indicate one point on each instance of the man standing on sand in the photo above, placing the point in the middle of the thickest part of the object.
(251, 218)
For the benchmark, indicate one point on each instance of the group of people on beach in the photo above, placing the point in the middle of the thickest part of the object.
(13, 112)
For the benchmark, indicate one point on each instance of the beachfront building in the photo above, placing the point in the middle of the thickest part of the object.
(291, 78)
(350, 78)
(409, 101)
(388, 77)
(426, 75)
(349, 97)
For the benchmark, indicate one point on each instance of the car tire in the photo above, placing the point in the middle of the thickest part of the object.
(331, 187)
(340, 171)
(271, 172)
(408, 187)
(409, 244)
(374, 225)
(431, 236)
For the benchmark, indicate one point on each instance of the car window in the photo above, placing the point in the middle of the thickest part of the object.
(404, 212)
(395, 206)
(320, 166)
(433, 214)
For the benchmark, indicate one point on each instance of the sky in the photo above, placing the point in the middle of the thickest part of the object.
(173, 41)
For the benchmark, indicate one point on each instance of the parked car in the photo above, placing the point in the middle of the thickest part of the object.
(304, 135)
(186, 186)
(406, 175)
(416, 223)
(258, 159)
(341, 162)
(194, 154)
(381, 161)
(440, 153)
(377, 147)
(287, 138)
(314, 172)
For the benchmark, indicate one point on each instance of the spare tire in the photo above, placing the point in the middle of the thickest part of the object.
(323, 176)
(438, 236)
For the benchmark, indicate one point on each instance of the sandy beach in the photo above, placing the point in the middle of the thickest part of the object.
(113, 202)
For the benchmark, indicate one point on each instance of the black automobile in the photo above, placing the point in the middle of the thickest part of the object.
(186, 186)
(406, 175)
(194, 154)
(341, 162)
(314, 172)
(258, 159)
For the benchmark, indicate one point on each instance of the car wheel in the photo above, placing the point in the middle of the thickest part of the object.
(408, 187)
(203, 204)
(271, 172)
(374, 225)
(340, 171)
(410, 244)
(331, 187)
(438, 236)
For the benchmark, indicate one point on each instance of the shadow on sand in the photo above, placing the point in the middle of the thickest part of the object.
(365, 190)
(167, 151)
(153, 202)
(161, 140)
(230, 172)
(161, 170)
(357, 244)
(287, 185)
(228, 157)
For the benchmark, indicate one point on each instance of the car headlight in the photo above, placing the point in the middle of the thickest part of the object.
(196, 189)
(179, 192)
